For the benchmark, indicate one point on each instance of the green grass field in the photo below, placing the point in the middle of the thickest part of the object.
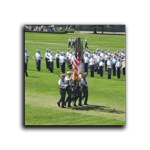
(106, 97)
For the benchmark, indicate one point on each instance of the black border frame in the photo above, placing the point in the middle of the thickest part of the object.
(68, 129)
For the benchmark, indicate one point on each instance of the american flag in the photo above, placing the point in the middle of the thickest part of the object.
(75, 62)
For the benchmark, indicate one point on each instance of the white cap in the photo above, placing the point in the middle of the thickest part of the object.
(57, 50)
(47, 49)
(84, 73)
(108, 50)
(117, 50)
(25, 50)
(37, 50)
(69, 72)
(68, 49)
(63, 74)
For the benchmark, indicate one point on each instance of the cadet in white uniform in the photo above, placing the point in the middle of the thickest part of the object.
(63, 60)
(109, 68)
(84, 83)
(38, 58)
(51, 59)
(92, 62)
(73, 42)
(69, 43)
(26, 57)
(89, 54)
(101, 64)
(114, 61)
(106, 59)
(57, 58)
(97, 62)
(122, 54)
(102, 54)
(109, 52)
(26, 65)
(118, 65)
(62, 90)
(86, 62)
(67, 54)
(46, 57)
(68, 89)
(118, 54)
(86, 42)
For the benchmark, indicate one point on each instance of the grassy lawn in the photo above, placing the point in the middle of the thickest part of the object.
(106, 97)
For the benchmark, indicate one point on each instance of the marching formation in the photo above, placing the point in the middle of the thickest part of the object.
(98, 62)
(75, 90)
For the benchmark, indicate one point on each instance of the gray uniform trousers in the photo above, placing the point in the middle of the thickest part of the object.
(68, 99)
(63, 94)
(85, 94)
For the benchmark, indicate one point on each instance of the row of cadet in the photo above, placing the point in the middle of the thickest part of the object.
(73, 42)
(76, 91)
(96, 62)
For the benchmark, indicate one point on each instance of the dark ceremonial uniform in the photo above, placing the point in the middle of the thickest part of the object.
(73, 42)
(62, 91)
(84, 83)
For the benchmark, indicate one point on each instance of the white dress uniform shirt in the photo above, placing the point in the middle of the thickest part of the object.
(60, 82)
(68, 78)
(26, 57)
(108, 53)
(38, 56)
(89, 55)
(92, 61)
(26, 54)
(102, 55)
(83, 82)
(62, 59)
(70, 56)
(46, 54)
(73, 40)
(86, 59)
(69, 40)
(86, 41)
(51, 58)
(99, 59)
(106, 57)
(101, 64)
(118, 64)
(122, 54)
(57, 55)
(114, 61)
(67, 54)
(95, 56)
(109, 64)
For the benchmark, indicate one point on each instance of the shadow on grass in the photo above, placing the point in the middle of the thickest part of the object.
(98, 108)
